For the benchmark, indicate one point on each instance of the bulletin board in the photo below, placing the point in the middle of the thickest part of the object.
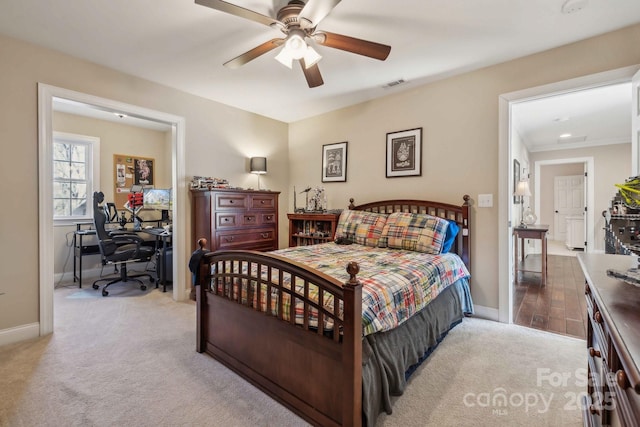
(129, 171)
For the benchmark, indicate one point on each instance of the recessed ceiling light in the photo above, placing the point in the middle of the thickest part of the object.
(561, 119)
(565, 135)
(121, 115)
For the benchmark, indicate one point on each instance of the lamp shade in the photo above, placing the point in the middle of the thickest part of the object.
(522, 189)
(258, 165)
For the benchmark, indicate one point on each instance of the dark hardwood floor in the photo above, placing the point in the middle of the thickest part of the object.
(559, 306)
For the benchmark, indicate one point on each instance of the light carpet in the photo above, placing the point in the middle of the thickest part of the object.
(129, 359)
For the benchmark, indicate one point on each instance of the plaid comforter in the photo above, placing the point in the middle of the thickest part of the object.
(395, 283)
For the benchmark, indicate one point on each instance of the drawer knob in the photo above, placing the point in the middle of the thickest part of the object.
(621, 379)
(597, 317)
(230, 201)
(265, 235)
(229, 239)
(593, 352)
(226, 219)
(269, 217)
(262, 202)
(248, 218)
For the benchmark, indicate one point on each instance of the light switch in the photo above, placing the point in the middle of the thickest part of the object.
(485, 200)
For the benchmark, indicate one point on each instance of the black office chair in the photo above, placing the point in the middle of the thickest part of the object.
(118, 248)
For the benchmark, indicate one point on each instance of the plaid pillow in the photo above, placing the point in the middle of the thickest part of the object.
(414, 232)
(364, 228)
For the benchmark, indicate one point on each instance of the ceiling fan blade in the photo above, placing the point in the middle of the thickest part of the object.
(254, 53)
(223, 6)
(353, 45)
(312, 74)
(315, 11)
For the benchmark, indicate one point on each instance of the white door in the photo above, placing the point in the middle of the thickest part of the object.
(568, 200)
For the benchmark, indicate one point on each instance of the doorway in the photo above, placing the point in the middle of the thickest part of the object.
(506, 217)
(46, 96)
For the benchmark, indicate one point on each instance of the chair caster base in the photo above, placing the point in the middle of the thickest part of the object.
(95, 286)
(143, 287)
(104, 293)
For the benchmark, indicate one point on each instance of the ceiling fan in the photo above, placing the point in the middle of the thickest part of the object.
(298, 21)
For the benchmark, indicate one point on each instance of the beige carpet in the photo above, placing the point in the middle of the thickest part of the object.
(129, 359)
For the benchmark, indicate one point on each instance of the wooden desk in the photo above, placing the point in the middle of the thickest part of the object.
(536, 231)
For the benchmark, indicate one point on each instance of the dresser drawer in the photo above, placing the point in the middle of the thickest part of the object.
(262, 201)
(258, 239)
(230, 201)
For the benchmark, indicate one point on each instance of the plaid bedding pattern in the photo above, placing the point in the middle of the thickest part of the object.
(363, 228)
(395, 283)
(414, 232)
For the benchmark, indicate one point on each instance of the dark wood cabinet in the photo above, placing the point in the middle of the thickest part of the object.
(311, 228)
(613, 343)
(236, 219)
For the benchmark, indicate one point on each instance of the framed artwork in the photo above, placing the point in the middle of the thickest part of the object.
(404, 153)
(516, 179)
(334, 162)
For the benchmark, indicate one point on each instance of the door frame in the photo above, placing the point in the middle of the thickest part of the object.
(46, 93)
(505, 241)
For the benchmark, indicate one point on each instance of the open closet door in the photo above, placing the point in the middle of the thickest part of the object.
(635, 123)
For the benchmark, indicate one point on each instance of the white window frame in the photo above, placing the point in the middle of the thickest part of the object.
(92, 169)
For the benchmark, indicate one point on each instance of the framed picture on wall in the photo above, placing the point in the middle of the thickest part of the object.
(404, 153)
(516, 179)
(334, 162)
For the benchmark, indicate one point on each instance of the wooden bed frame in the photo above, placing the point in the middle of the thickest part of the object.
(316, 374)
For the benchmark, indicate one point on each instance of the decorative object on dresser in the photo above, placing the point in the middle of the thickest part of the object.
(622, 220)
(613, 342)
(312, 346)
(311, 228)
(258, 166)
(236, 219)
(404, 153)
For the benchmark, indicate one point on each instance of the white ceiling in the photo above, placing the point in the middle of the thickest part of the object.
(597, 116)
(183, 45)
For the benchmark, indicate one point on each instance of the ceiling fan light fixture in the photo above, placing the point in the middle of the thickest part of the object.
(311, 57)
(285, 58)
(296, 46)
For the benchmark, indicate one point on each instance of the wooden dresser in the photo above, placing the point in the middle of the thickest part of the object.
(613, 343)
(236, 219)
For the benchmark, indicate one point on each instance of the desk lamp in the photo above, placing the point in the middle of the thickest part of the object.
(522, 190)
(258, 166)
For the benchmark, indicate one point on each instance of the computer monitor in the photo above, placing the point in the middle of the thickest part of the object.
(157, 198)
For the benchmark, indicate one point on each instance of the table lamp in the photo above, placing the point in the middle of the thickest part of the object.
(258, 166)
(522, 190)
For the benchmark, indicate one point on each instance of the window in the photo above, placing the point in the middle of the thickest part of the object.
(75, 176)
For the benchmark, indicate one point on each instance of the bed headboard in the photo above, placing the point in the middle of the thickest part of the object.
(459, 214)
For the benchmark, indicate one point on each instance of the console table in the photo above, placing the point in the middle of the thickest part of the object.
(536, 231)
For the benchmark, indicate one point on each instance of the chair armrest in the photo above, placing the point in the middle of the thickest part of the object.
(123, 239)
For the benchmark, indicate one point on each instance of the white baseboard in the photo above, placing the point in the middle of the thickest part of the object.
(19, 333)
(488, 313)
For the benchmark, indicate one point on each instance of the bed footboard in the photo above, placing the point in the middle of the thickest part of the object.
(294, 332)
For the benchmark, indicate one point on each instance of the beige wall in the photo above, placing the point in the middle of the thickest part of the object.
(115, 138)
(459, 117)
(611, 163)
(219, 139)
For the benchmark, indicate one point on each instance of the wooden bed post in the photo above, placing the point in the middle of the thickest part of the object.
(466, 242)
(352, 354)
(202, 278)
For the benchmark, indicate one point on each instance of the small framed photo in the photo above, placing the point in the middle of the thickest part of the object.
(334, 162)
(404, 153)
